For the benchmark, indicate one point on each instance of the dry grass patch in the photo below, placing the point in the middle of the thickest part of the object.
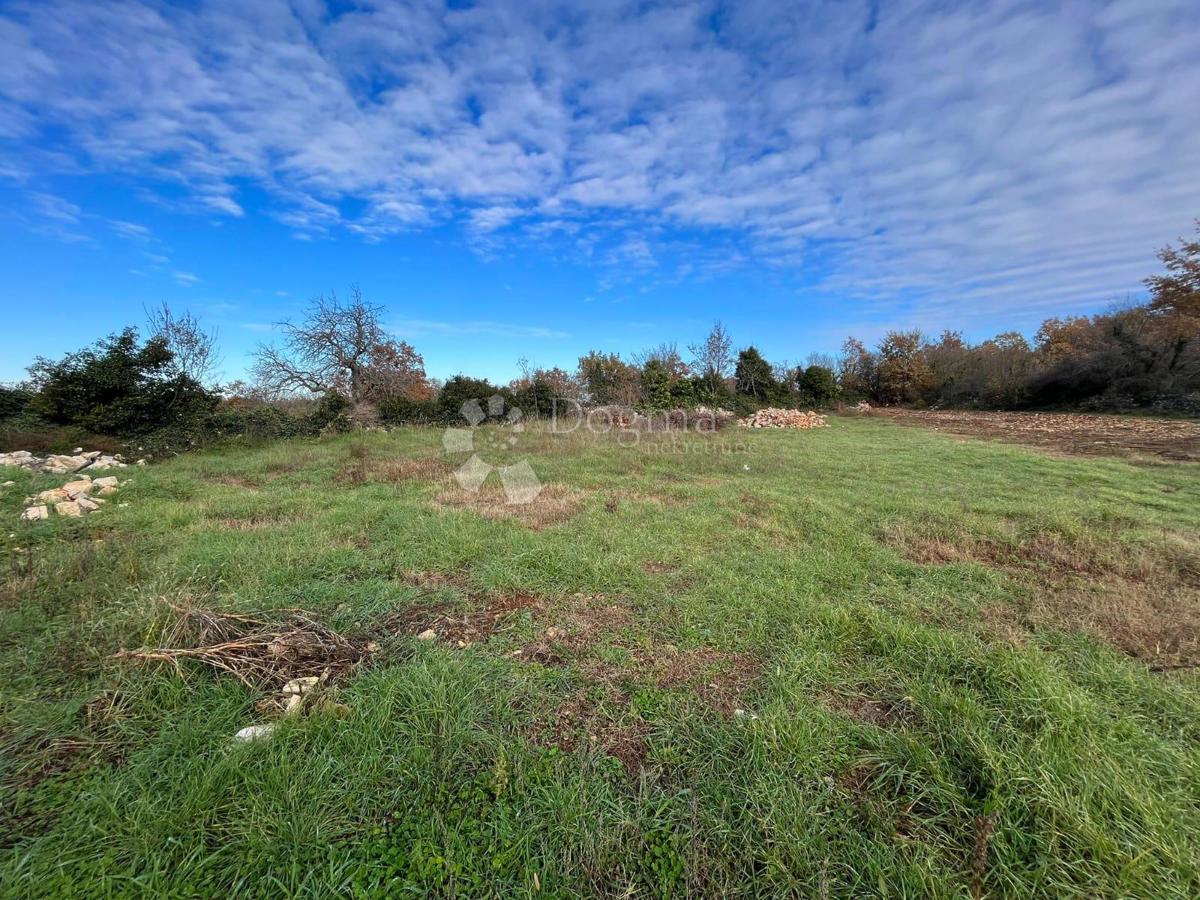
(421, 468)
(1074, 434)
(257, 521)
(434, 580)
(292, 463)
(393, 470)
(1142, 598)
(1156, 623)
(262, 651)
(554, 505)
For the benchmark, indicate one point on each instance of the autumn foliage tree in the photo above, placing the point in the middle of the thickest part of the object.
(1177, 292)
(606, 378)
(903, 371)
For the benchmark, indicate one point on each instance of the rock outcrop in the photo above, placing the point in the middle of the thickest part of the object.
(63, 463)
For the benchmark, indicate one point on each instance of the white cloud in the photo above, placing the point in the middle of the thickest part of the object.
(187, 279)
(56, 208)
(131, 230)
(973, 158)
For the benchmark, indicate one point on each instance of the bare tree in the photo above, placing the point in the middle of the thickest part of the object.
(824, 360)
(713, 359)
(340, 346)
(193, 349)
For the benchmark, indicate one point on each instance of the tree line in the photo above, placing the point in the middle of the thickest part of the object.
(337, 367)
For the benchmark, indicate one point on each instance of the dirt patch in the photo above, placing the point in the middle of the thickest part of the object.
(1076, 434)
(264, 651)
(458, 628)
(720, 679)
(566, 629)
(1143, 599)
(591, 719)
(880, 712)
(554, 505)
(576, 627)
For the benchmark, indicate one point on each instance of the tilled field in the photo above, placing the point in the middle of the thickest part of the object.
(1073, 433)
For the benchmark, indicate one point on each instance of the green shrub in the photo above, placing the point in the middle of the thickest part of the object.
(332, 414)
(656, 385)
(536, 399)
(13, 401)
(262, 423)
(403, 411)
(755, 378)
(460, 389)
(120, 386)
(818, 385)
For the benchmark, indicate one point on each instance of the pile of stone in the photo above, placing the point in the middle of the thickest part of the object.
(772, 417)
(65, 463)
(863, 406)
(75, 498)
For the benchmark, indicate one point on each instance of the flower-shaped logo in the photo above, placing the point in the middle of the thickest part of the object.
(521, 484)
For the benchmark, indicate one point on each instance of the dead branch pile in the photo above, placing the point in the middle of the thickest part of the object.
(772, 417)
(260, 653)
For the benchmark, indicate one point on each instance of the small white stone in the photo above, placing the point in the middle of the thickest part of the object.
(254, 733)
(427, 635)
(299, 686)
(34, 513)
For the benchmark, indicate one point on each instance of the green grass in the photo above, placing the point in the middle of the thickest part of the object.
(1021, 750)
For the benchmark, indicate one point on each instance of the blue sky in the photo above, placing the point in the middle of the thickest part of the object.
(536, 179)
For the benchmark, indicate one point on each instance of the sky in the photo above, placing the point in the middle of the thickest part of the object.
(535, 179)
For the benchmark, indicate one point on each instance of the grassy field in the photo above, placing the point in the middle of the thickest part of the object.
(867, 660)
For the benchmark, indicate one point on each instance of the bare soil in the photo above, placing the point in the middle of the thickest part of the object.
(881, 712)
(1076, 434)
